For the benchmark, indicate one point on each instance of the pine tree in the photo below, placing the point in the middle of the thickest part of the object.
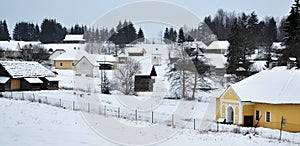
(292, 38)
(140, 36)
(181, 37)
(173, 35)
(235, 50)
(25, 31)
(105, 84)
(167, 36)
(4, 34)
(52, 32)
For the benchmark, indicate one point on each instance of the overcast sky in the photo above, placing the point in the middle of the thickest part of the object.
(70, 12)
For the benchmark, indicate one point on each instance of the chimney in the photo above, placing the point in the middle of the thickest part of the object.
(292, 62)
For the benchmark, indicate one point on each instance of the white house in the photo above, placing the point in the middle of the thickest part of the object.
(90, 64)
(218, 47)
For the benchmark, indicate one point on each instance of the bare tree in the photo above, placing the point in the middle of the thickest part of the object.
(124, 75)
(186, 73)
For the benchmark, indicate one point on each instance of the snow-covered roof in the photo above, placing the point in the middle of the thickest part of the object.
(278, 46)
(74, 37)
(122, 55)
(52, 79)
(276, 86)
(146, 65)
(65, 47)
(258, 66)
(217, 60)
(72, 54)
(150, 49)
(3, 79)
(20, 69)
(219, 45)
(33, 80)
(95, 59)
(15, 45)
(196, 44)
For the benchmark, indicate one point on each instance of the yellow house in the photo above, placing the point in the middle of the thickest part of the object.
(267, 99)
(68, 59)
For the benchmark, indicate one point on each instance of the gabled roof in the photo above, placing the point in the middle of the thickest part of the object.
(276, 86)
(65, 47)
(148, 68)
(96, 59)
(74, 37)
(72, 54)
(219, 45)
(28, 69)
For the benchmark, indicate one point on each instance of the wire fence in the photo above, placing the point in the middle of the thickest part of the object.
(152, 117)
(176, 121)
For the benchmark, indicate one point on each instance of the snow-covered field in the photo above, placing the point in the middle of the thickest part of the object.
(28, 123)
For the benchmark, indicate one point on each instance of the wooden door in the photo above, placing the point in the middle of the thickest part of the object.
(15, 84)
(248, 121)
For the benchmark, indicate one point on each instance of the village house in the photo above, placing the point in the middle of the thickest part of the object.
(13, 49)
(68, 59)
(267, 99)
(218, 47)
(122, 58)
(90, 64)
(25, 75)
(137, 52)
(143, 81)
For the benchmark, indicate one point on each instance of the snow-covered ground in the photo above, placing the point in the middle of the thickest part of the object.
(28, 123)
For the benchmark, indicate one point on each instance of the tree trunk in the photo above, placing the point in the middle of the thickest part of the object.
(195, 85)
(183, 94)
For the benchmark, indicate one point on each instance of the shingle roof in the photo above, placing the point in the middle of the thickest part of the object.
(29, 69)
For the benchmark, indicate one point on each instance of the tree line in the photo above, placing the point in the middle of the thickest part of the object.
(51, 31)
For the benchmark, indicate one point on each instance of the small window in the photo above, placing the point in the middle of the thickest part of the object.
(61, 64)
(268, 117)
(73, 64)
(257, 115)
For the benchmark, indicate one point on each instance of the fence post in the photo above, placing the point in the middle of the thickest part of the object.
(73, 105)
(60, 102)
(105, 110)
(152, 117)
(11, 95)
(194, 124)
(88, 107)
(23, 96)
(172, 120)
(33, 97)
(281, 128)
(136, 114)
(217, 126)
(118, 112)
